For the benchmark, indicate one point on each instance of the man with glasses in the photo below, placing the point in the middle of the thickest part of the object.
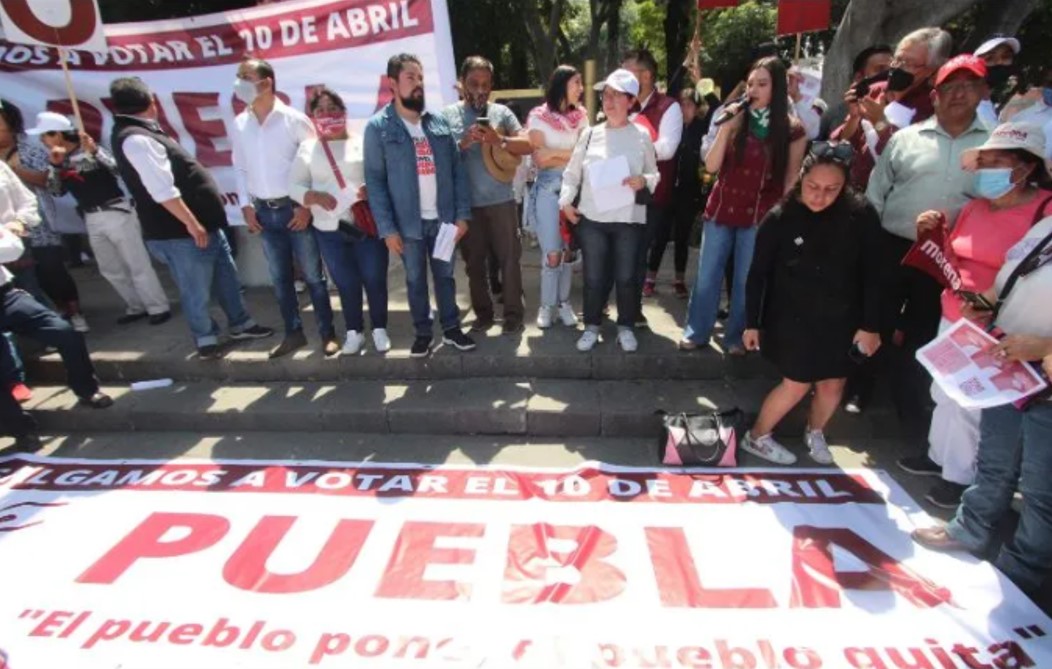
(921, 170)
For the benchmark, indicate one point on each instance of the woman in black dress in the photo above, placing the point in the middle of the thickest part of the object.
(811, 297)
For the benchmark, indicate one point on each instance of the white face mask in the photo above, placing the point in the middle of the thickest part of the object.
(245, 90)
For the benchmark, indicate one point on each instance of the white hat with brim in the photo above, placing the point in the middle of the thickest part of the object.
(622, 81)
(994, 42)
(50, 122)
(1009, 137)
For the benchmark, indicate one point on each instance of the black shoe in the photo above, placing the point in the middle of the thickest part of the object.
(723, 314)
(158, 319)
(421, 347)
(512, 327)
(946, 494)
(641, 322)
(26, 443)
(210, 352)
(921, 465)
(99, 400)
(458, 340)
(128, 319)
(291, 342)
(481, 324)
(254, 332)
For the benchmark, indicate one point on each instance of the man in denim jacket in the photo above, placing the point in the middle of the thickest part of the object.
(416, 183)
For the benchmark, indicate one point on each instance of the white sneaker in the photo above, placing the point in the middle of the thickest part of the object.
(818, 447)
(79, 323)
(567, 316)
(353, 344)
(626, 339)
(544, 318)
(381, 342)
(299, 285)
(767, 448)
(587, 341)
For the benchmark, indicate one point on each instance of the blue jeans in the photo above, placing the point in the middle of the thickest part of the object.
(11, 368)
(201, 274)
(543, 203)
(1014, 446)
(610, 252)
(717, 244)
(354, 265)
(416, 255)
(281, 245)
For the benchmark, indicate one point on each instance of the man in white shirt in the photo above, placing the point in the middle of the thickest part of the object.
(22, 314)
(266, 136)
(182, 216)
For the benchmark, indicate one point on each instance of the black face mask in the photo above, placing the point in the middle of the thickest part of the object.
(997, 75)
(899, 79)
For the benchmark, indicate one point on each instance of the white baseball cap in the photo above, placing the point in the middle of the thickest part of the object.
(50, 122)
(994, 42)
(621, 80)
(1009, 137)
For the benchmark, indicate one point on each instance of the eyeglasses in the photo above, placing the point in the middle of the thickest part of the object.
(951, 89)
(840, 152)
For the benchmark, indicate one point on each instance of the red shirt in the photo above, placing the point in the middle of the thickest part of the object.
(745, 191)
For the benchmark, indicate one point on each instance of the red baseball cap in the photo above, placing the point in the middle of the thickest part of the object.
(965, 61)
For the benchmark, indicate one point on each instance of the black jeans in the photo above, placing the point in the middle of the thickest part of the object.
(610, 256)
(673, 227)
(14, 420)
(53, 276)
(23, 315)
(656, 217)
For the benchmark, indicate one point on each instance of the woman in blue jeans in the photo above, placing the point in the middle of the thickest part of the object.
(1015, 444)
(554, 128)
(757, 156)
(355, 257)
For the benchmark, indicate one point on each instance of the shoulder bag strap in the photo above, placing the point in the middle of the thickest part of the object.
(332, 163)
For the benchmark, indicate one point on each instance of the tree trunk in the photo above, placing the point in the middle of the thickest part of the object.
(868, 22)
(543, 33)
(677, 34)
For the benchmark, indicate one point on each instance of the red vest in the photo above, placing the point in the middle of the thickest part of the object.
(658, 105)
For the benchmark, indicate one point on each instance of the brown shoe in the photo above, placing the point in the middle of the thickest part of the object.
(512, 327)
(937, 539)
(481, 325)
(290, 343)
(330, 347)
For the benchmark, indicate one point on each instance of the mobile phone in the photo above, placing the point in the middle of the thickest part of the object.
(976, 300)
(483, 121)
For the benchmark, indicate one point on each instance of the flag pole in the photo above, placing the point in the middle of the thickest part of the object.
(799, 39)
(69, 88)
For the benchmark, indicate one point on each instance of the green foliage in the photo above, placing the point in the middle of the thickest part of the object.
(646, 27)
(729, 36)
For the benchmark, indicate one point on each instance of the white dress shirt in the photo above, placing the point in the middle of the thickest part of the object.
(150, 160)
(808, 115)
(313, 171)
(670, 130)
(17, 203)
(263, 153)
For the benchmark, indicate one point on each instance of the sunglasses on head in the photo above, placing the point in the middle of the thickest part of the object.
(840, 152)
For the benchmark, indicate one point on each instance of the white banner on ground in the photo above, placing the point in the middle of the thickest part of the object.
(191, 65)
(962, 362)
(151, 564)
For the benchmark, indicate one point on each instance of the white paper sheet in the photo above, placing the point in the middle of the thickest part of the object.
(899, 115)
(606, 178)
(445, 243)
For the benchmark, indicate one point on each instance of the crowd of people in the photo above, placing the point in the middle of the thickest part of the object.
(806, 213)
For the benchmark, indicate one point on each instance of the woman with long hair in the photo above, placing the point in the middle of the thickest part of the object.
(757, 156)
(811, 298)
(554, 128)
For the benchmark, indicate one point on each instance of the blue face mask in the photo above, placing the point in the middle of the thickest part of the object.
(993, 183)
(1046, 95)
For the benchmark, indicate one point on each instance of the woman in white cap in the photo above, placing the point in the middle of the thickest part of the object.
(610, 215)
(1014, 193)
(999, 53)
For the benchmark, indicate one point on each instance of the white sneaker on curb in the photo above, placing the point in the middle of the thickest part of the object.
(381, 342)
(587, 341)
(818, 447)
(353, 344)
(79, 323)
(626, 339)
(567, 315)
(767, 448)
(544, 318)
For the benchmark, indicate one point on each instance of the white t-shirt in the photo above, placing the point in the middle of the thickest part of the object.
(1026, 311)
(560, 130)
(425, 171)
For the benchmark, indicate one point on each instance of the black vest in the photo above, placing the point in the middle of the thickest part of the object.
(89, 182)
(196, 185)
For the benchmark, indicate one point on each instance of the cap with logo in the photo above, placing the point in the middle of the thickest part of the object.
(966, 62)
(1009, 137)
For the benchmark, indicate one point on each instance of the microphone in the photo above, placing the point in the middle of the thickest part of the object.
(731, 110)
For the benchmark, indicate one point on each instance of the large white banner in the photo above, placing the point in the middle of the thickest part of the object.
(191, 65)
(150, 565)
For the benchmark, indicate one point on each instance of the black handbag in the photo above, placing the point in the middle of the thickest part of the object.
(708, 439)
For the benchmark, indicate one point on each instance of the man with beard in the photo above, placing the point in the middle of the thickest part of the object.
(416, 184)
(480, 127)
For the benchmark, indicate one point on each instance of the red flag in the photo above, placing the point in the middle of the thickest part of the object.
(803, 16)
(934, 256)
(716, 4)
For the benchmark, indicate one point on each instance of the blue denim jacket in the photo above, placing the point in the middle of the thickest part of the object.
(391, 179)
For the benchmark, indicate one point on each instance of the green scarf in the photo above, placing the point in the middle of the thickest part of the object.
(760, 122)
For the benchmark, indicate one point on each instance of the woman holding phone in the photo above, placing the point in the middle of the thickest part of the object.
(1013, 193)
(811, 298)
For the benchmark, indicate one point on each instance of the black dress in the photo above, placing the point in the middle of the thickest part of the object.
(813, 284)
